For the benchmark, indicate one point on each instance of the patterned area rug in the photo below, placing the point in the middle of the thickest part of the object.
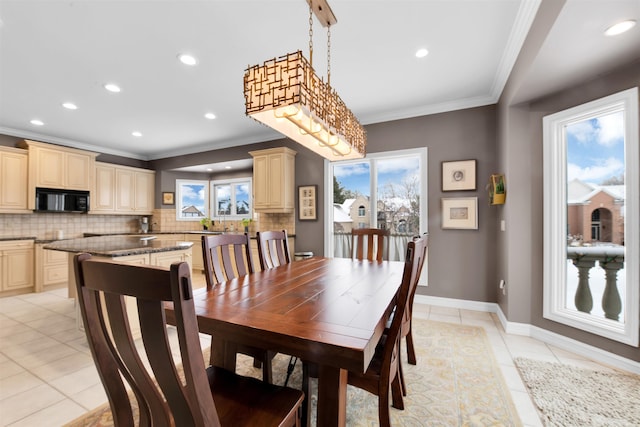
(568, 396)
(456, 382)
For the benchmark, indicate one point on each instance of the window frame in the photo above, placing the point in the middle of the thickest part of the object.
(555, 218)
(179, 191)
(232, 183)
(421, 153)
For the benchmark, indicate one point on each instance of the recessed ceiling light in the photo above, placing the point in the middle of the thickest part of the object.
(37, 122)
(421, 53)
(187, 59)
(111, 87)
(210, 116)
(70, 106)
(136, 133)
(620, 28)
(227, 167)
(209, 170)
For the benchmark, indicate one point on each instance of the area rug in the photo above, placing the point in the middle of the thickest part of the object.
(568, 396)
(456, 382)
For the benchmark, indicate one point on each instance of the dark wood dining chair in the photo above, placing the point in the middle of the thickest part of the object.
(383, 372)
(227, 256)
(407, 318)
(165, 394)
(273, 248)
(375, 240)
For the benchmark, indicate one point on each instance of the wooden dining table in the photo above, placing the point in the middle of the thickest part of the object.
(329, 311)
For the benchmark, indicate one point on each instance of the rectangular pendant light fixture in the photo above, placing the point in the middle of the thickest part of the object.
(287, 95)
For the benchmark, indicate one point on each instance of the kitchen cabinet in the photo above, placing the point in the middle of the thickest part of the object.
(122, 190)
(53, 166)
(13, 180)
(16, 267)
(274, 180)
(197, 262)
(51, 268)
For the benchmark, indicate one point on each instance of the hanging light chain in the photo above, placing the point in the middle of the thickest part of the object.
(329, 55)
(311, 33)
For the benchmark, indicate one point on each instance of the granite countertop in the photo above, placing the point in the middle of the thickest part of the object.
(115, 246)
(7, 238)
(252, 235)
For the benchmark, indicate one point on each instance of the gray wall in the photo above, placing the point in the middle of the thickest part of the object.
(462, 263)
(520, 147)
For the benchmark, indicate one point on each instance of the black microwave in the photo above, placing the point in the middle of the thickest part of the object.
(57, 200)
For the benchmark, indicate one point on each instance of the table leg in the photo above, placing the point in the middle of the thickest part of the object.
(332, 396)
(223, 354)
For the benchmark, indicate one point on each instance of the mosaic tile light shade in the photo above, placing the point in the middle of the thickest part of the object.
(286, 94)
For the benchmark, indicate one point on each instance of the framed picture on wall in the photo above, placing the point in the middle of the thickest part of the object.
(307, 201)
(168, 198)
(460, 213)
(459, 175)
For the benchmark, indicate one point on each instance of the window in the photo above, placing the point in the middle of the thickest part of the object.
(231, 198)
(192, 199)
(386, 191)
(592, 217)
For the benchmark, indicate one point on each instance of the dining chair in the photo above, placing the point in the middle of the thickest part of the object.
(163, 392)
(227, 256)
(273, 248)
(407, 318)
(383, 372)
(375, 240)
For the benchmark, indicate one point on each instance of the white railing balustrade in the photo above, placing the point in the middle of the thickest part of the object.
(611, 260)
(397, 245)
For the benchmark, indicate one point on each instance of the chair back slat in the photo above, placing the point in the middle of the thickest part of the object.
(375, 240)
(273, 248)
(226, 256)
(165, 401)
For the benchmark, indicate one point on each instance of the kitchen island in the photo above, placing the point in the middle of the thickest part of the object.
(140, 249)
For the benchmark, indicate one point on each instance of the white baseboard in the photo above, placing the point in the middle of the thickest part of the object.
(490, 307)
(535, 332)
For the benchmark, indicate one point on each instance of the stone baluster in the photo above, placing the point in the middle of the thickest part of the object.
(583, 298)
(611, 303)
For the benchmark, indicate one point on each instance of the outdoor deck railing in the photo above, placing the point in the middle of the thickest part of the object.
(397, 245)
(611, 260)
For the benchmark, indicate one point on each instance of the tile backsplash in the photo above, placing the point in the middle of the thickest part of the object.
(54, 226)
(48, 226)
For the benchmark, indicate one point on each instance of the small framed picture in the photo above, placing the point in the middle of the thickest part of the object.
(460, 213)
(168, 198)
(459, 175)
(307, 200)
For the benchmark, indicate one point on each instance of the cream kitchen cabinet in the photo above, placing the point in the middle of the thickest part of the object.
(13, 180)
(197, 262)
(122, 190)
(53, 166)
(274, 180)
(51, 268)
(16, 267)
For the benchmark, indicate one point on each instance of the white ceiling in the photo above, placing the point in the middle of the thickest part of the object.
(57, 51)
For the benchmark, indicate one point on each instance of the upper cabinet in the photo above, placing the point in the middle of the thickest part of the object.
(13, 180)
(123, 190)
(274, 180)
(52, 166)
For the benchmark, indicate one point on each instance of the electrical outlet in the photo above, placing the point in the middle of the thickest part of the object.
(503, 286)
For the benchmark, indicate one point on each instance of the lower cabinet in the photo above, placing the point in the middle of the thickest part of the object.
(162, 259)
(16, 267)
(52, 270)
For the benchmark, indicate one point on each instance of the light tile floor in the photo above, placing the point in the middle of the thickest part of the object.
(47, 376)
